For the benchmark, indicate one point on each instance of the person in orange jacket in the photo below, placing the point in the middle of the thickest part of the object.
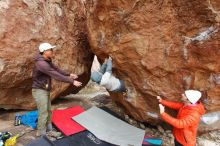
(188, 117)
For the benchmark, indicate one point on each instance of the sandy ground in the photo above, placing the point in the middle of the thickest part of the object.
(90, 96)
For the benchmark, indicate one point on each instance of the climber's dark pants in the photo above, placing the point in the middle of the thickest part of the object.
(177, 143)
(121, 88)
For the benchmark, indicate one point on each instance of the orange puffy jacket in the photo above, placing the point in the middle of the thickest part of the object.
(186, 123)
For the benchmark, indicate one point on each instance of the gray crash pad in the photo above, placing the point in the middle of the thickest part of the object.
(109, 128)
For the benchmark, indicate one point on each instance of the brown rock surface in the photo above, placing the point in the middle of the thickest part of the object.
(158, 48)
(24, 24)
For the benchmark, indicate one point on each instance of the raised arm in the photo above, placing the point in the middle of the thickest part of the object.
(172, 105)
(60, 70)
(47, 69)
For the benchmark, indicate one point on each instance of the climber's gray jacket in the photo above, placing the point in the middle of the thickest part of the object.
(105, 78)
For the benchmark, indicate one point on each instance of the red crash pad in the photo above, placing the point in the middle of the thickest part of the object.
(62, 119)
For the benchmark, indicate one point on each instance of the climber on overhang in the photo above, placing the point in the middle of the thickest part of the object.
(188, 117)
(105, 78)
(43, 71)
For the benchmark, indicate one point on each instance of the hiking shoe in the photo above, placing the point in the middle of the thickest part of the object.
(40, 133)
(54, 134)
(49, 127)
(51, 138)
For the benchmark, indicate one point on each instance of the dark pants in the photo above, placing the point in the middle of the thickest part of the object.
(177, 143)
(121, 88)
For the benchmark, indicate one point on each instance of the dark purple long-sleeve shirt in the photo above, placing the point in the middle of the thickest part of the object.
(44, 70)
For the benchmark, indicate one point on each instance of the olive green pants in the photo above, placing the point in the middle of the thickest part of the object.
(42, 98)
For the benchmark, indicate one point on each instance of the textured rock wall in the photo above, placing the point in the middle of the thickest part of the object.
(158, 47)
(24, 24)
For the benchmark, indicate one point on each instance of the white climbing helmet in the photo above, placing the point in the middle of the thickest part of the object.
(193, 95)
(45, 46)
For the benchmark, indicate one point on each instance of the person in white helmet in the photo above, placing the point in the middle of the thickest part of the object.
(188, 117)
(43, 71)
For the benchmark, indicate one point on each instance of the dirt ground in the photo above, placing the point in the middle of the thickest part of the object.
(95, 96)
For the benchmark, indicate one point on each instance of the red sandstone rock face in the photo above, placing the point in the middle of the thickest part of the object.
(24, 24)
(158, 48)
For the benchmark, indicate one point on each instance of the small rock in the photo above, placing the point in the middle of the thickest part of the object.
(170, 135)
(142, 126)
(127, 118)
(206, 142)
(148, 131)
(160, 129)
(168, 131)
(130, 121)
(135, 122)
